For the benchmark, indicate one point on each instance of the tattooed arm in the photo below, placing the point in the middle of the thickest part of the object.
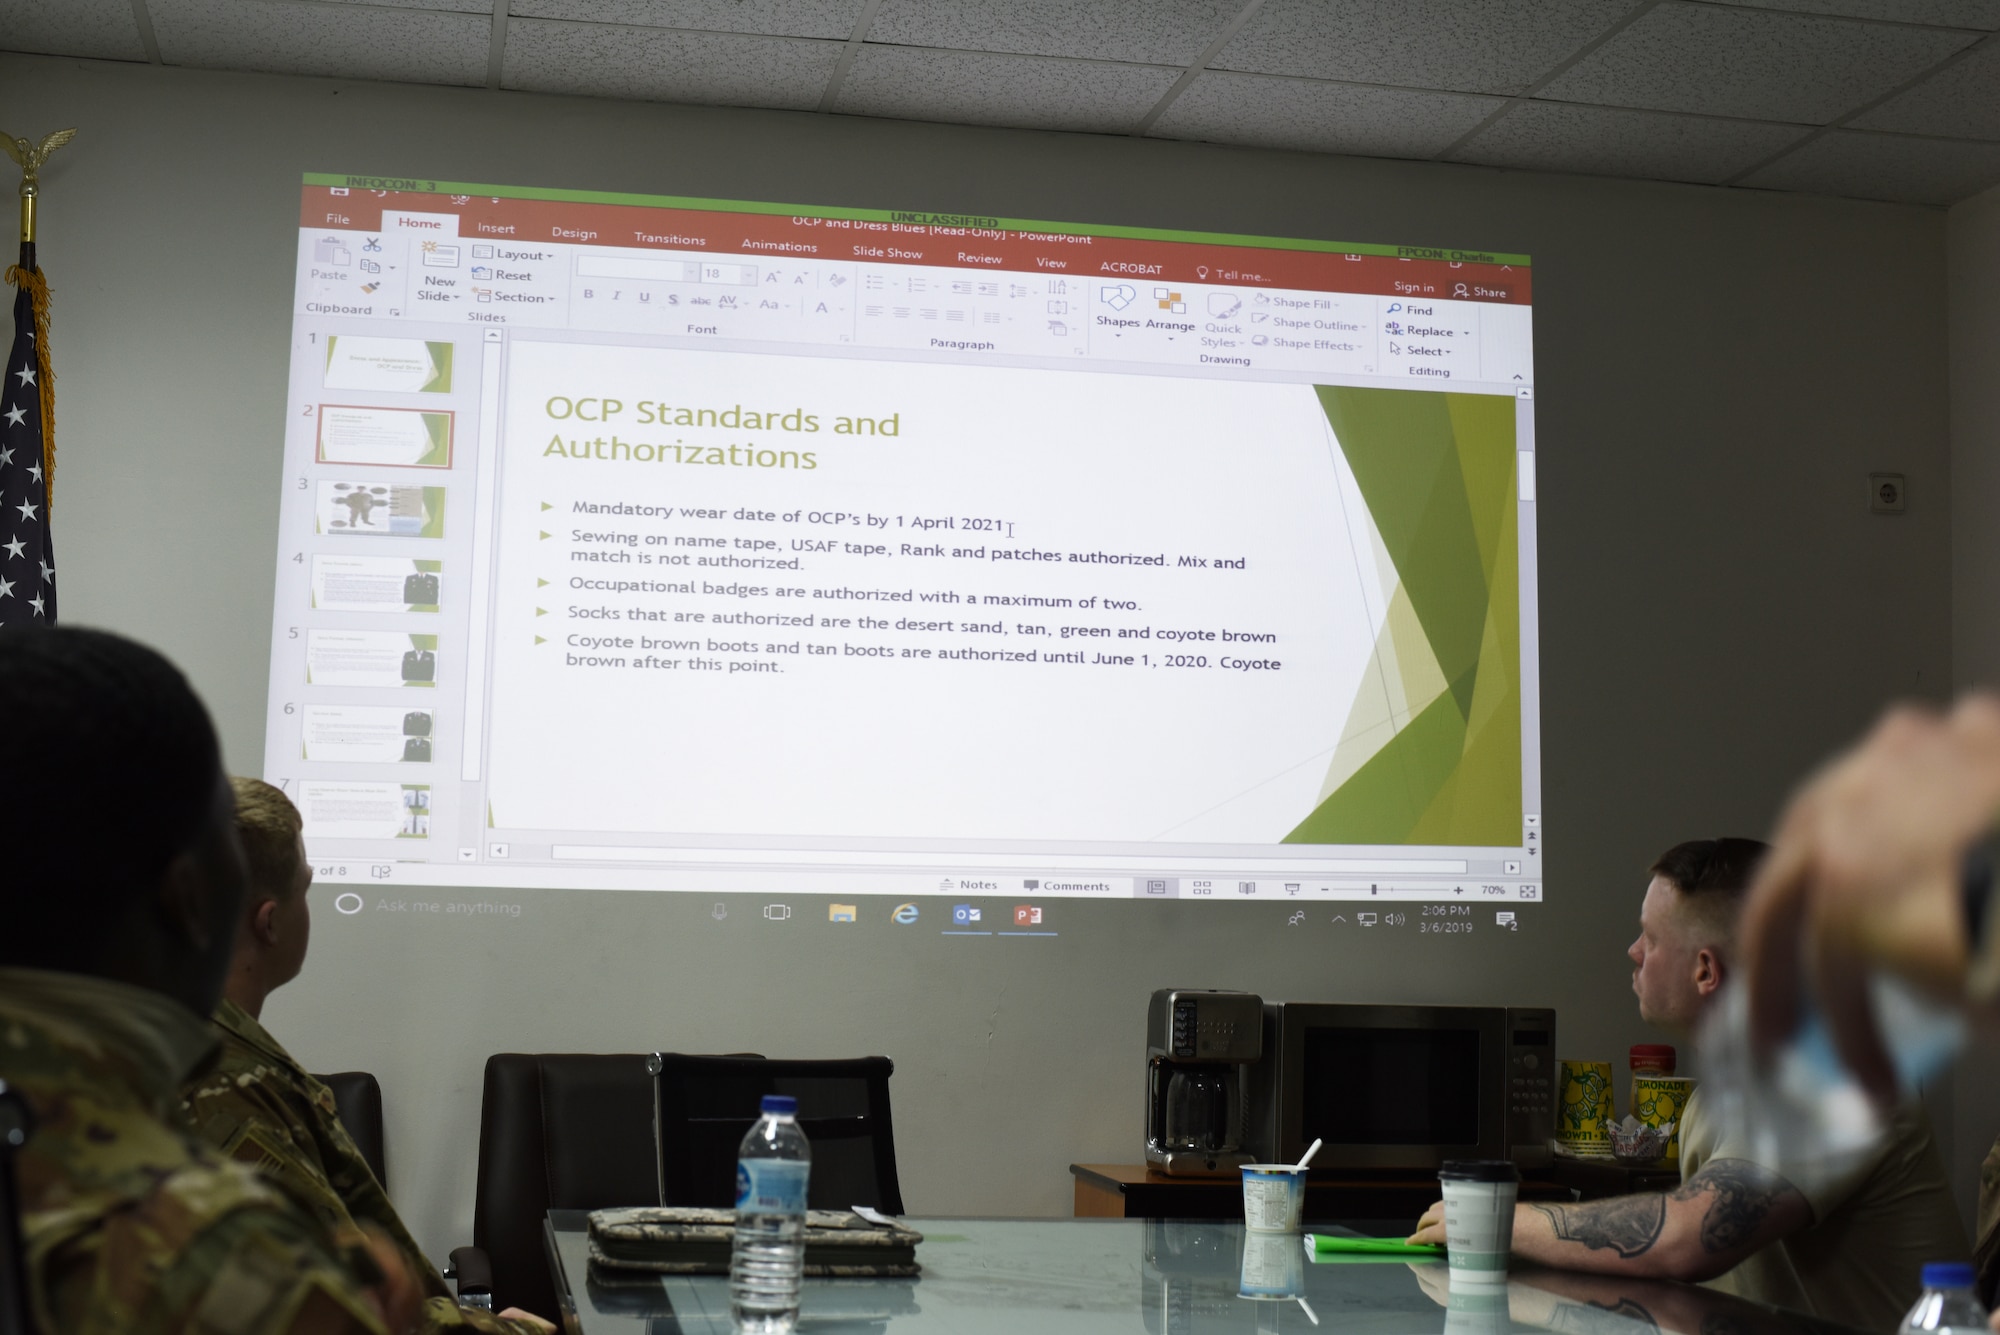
(1728, 1210)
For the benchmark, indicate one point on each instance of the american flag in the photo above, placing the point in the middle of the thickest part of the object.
(27, 552)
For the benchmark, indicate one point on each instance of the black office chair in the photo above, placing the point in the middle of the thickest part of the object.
(358, 1096)
(556, 1131)
(16, 1122)
(705, 1105)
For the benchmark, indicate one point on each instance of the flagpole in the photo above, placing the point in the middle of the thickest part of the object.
(27, 482)
(31, 187)
(30, 157)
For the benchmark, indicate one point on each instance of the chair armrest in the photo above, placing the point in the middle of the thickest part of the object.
(473, 1273)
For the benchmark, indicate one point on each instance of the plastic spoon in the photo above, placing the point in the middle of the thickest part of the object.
(1307, 1158)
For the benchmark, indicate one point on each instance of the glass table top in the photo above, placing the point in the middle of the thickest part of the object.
(1161, 1277)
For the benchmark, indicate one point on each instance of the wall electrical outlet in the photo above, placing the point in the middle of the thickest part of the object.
(1888, 493)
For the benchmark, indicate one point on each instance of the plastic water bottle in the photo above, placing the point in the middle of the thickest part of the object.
(772, 1169)
(1807, 1117)
(1948, 1304)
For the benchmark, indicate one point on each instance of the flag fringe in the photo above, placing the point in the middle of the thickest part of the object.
(37, 288)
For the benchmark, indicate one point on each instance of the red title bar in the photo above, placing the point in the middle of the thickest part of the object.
(746, 235)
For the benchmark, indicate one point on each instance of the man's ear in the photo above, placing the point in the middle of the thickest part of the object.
(1708, 971)
(264, 922)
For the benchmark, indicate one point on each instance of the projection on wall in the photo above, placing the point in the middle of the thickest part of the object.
(696, 545)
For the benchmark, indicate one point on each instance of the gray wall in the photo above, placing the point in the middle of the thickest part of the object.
(1717, 372)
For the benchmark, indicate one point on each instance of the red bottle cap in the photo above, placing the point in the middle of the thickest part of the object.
(1653, 1054)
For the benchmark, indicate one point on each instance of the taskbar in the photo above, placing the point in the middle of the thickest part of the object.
(1294, 887)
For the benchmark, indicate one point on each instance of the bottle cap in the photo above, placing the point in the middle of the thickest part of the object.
(1479, 1170)
(1648, 1054)
(782, 1104)
(1948, 1275)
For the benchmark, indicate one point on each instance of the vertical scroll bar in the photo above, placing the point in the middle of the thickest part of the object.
(477, 648)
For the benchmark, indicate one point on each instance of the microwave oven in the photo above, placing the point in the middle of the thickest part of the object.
(1404, 1087)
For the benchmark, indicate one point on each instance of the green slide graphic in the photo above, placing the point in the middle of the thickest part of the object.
(1431, 750)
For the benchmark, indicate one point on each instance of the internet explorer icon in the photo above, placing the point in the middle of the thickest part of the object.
(904, 914)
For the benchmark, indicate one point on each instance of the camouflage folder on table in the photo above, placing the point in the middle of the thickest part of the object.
(690, 1240)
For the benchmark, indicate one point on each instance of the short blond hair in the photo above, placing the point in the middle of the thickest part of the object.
(268, 825)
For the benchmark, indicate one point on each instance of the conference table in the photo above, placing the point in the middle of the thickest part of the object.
(1161, 1277)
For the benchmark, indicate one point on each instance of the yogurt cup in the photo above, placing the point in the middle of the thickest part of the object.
(1274, 1267)
(1274, 1197)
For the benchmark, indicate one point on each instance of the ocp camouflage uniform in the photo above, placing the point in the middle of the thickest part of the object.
(129, 1224)
(258, 1105)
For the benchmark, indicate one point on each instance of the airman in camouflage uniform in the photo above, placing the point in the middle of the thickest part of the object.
(129, 1225)
(124, 884)
(258, 1105)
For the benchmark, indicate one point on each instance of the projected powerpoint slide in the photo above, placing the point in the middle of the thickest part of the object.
(365, 734)
(336, 809)
(760, 595)
(390, 437)
(375, 584)
(393, 365)
(370, 658)
(380, 510)
(765, 548)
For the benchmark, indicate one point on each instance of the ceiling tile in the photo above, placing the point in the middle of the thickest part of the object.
(771, 18)
(1758, 64)
(1261, 111)
(406, 46)
(459, 6)
(1496, 46)
(667, 66)
(1029, 92)
(1940, 13)
(98, 29)
(1155, 32)
(1959, 102)
(1885, 166)
(1612, 141)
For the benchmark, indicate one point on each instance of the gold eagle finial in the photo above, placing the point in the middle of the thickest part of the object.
(30, 156)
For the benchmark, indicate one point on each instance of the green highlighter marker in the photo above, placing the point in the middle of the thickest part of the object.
(1331, 1244)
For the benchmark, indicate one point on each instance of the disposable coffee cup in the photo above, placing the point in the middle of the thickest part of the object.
(1661, 1100)
(1274, 1197)
(1479, 1218)
(1583, 1108)
(1478, 1310)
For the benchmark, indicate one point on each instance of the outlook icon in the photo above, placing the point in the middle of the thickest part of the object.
(962, 914)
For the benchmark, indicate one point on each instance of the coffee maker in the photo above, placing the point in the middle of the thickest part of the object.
(1198, 1044)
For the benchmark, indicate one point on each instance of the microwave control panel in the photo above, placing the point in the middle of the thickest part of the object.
(1531, 1085)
